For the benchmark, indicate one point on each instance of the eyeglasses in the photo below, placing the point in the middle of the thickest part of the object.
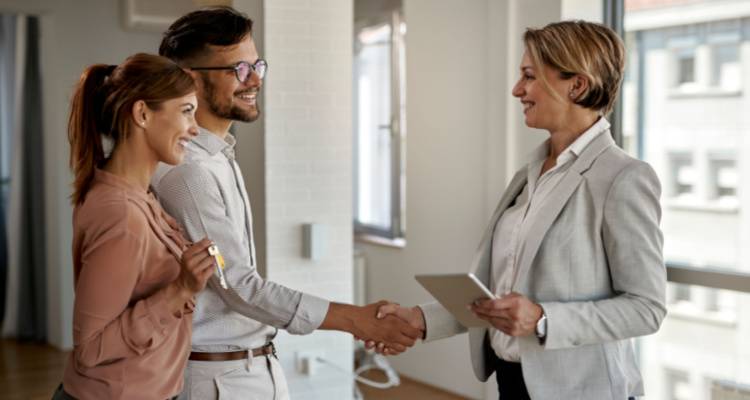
(242, 70)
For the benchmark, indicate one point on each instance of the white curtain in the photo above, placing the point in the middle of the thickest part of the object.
(12, 68)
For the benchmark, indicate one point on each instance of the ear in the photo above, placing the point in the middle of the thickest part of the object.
(579, 86)
(141, 114)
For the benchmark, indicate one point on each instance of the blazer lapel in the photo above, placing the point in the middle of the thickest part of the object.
(556, 202)
(481, 263)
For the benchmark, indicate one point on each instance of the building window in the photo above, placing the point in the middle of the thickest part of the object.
(379, 120)
(682, 175)
(726, 73)
(677, 385)
(685, 62)
(680, 293)
(723, 180)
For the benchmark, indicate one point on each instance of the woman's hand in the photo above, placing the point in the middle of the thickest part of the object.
(196, 266)
(513, 314)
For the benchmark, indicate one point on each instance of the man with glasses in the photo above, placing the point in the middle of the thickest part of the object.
(233, 326)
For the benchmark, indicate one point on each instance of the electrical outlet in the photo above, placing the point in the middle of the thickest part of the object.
(307, 361)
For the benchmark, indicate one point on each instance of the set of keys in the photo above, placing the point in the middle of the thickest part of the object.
(214, 251)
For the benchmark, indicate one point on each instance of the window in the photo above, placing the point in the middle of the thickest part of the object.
(725, 63)
(683, 112)
(723, 179)
(678, 385)
(685, 60)
(682, 176)
(379, 119)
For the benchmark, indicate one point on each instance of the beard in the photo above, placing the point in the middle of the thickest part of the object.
(228, 111)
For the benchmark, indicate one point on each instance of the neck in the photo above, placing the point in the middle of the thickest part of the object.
(561, 138)
(211, 122)
(133, 164)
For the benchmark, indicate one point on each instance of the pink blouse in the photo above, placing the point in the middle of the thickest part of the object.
(127, 343)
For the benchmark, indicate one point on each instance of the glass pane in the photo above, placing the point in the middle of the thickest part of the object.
(373, 126)
(702, 351)
(683, 112)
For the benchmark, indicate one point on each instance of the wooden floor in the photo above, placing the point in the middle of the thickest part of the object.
(29, 371)
(409, 389)
(32, 372)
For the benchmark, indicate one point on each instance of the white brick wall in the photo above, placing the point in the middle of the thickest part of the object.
(308, 45)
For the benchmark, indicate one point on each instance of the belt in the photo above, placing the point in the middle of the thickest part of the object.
(268, 349)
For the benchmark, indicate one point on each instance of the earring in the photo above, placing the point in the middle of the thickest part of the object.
(572, 95)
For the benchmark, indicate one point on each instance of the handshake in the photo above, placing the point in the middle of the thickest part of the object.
(390, 329)
(385, 326)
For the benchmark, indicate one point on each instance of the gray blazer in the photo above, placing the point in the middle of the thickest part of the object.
(593, 260)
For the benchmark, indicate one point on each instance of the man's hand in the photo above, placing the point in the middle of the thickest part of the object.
(512, 314)
(411, 315)
(361, 322)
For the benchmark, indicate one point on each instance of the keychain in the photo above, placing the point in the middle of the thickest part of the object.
(214, 251)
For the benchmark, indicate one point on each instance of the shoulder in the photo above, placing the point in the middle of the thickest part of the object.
(614, 165)
(188, 175)
(108, 210)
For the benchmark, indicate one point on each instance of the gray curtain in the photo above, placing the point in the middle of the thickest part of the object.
(7, 92)
(32, 302)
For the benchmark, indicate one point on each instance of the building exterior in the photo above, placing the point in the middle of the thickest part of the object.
(686, 110)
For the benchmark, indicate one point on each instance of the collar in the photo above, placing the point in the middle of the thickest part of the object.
(213, 144)
(572, 152)
(574, 149)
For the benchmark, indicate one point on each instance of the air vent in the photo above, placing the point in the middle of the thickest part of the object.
(156, 16)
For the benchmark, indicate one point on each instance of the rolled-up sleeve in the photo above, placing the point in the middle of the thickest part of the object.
(106, 326)
(193, 196)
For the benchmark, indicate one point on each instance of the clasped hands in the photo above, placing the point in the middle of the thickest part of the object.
(513, 314)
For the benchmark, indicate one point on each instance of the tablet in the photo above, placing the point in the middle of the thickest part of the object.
(455, 292)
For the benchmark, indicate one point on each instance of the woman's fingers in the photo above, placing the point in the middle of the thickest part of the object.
(196, 248)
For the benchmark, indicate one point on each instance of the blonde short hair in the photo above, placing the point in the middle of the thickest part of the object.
(581, 48)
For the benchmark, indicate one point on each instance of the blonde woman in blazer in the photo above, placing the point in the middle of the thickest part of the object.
(573, 250)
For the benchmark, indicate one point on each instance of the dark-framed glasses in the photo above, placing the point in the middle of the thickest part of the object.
(242, 70)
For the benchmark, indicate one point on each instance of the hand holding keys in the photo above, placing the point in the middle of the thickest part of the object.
(214, 251)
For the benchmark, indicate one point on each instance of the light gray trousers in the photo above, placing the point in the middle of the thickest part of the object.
(257, 378)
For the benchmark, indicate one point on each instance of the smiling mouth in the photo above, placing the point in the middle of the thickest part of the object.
(527, 107)
(248, 98)
(183, 142)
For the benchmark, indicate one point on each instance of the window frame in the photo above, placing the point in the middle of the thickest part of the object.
(396, 232)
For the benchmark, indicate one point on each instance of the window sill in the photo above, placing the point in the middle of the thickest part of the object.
(688, 312)
(398, 243)
(677, 93)
(717, 208)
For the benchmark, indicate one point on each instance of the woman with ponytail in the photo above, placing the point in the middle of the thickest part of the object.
(135, 274)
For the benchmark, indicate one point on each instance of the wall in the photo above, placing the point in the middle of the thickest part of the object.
(465, 138)
(68, 46)
(308, 171)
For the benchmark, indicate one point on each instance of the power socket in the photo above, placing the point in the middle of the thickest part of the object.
(307, 361)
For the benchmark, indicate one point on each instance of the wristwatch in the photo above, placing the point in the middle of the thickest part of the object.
(541, 328)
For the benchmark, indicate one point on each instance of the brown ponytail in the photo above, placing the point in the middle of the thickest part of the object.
(102, 103)
(86, 151)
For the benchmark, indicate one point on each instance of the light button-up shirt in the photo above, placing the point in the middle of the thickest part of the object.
(512, 227)
(206, 194)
